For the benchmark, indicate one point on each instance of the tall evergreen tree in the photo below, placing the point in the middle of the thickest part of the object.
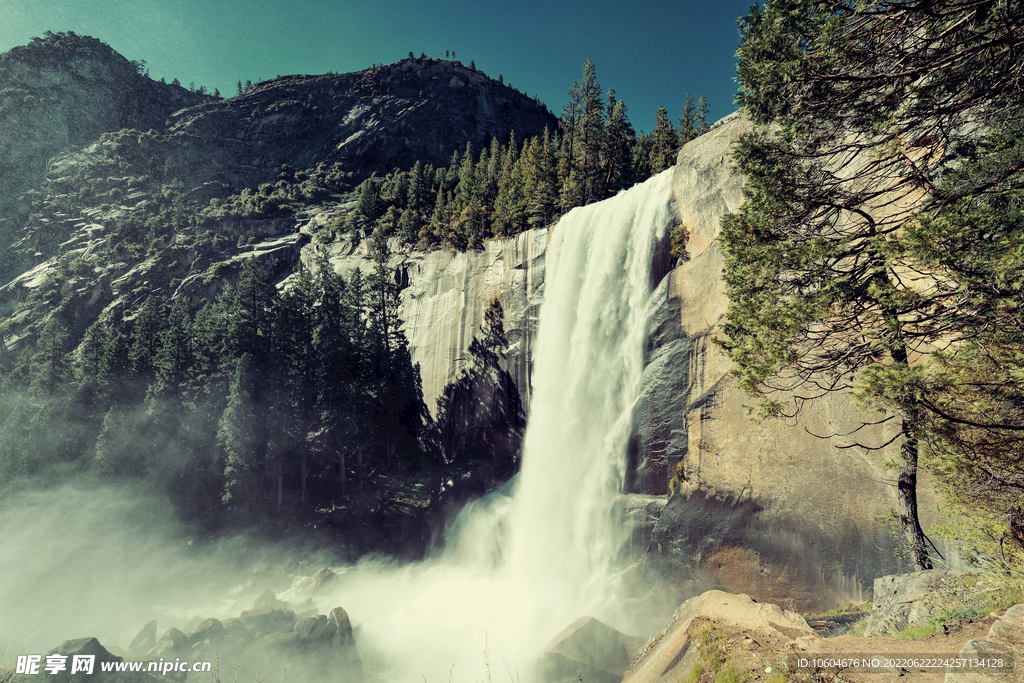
(665, 144)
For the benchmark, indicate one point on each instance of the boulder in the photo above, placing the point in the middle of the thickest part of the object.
(587, 648)
(266, 620)
(343, 650)
(1005, 640)
(1009, 628)
(69, 649)
(173, 643)
(211, 630)
(282, 641)
(343, 637)
(82, 647)
(672, 657)
(145, 640)
(268, 599)
(316, 630)
(902, 600)
(316, 581)
(236, 633)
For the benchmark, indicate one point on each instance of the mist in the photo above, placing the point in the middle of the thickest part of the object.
(93, 559)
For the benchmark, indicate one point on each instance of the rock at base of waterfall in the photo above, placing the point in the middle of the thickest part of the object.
(268, 620)
(269, 599)
(587, 648)
(91, 647)
(316, 581)
(173, 643)
(211, 630)
(145, 640)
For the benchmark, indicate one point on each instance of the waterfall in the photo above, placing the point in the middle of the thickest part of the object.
(519, 568)
(587, 366)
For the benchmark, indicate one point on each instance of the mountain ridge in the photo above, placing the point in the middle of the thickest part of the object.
(123, 189)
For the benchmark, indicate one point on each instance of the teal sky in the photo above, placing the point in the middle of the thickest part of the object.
(650, 51)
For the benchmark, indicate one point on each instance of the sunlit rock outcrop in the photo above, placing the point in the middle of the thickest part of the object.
(775, 510)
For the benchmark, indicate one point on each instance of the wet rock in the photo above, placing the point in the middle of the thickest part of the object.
(587, 648)
(343, 637)
(145, 640)
(211, 630)
(316, 581)
(173, 643)
(266, 620)
(268, 599)
(318, 629)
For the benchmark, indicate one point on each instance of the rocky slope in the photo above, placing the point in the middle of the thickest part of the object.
(131, 190)
(67, 90)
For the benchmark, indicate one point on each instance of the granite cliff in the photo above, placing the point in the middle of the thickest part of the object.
(776, 510)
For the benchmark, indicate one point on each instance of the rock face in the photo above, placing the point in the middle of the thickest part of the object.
(373, 120)
(774, 510)
(447, 296)
(60, 97)
(68, 90)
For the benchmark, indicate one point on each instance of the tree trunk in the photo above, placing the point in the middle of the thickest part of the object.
(907, 493)
(906, 487)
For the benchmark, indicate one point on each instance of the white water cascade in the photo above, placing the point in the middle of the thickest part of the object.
(520, 568)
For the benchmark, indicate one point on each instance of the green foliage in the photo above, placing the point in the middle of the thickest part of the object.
(665, 143)
(881, 223)
(678, 474)
(677, 241)
(713, 665)
(505, 189)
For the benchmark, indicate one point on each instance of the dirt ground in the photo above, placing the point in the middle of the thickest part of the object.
(759, 660)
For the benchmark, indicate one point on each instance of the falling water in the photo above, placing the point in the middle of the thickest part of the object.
(520, 568)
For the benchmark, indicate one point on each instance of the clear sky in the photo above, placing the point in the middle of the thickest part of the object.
(650, 51)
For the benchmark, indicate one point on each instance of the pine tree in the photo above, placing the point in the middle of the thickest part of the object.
(50, 366)
(541, 183)
(145, 340)
(175, 358)
(241, 435)
(702, 115)
(620, 139)
(688, 123)
(590, 134)
(664, 143)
